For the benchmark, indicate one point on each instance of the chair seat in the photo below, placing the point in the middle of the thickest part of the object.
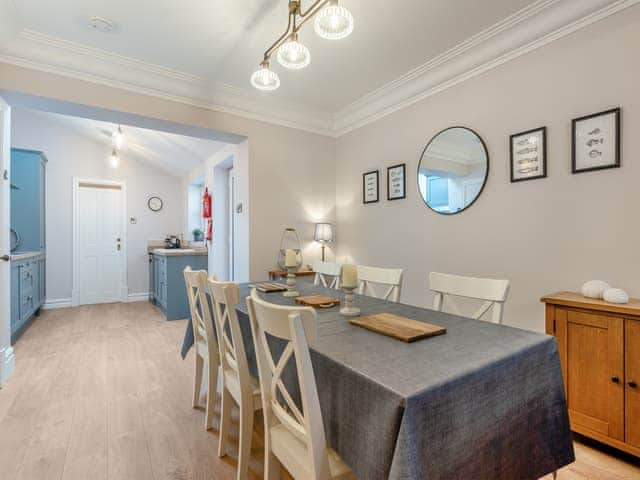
(293, 453)
(232, 383)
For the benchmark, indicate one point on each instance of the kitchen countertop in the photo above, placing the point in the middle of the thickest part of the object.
(179, 252)
(24, 255)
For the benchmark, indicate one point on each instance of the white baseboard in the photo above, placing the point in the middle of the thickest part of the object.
(57, 303)
(138, 297)
(75, 298)
(7, 364)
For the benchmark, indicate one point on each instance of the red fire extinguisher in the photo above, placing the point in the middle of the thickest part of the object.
(206, 204)
(209, 235)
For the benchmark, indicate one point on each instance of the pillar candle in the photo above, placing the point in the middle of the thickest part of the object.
(349, 276)
(290, 258)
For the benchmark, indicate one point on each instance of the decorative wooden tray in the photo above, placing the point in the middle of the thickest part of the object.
(268, 287)
(401, 328)
(318, 301)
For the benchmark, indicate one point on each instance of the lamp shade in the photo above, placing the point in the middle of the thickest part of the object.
(323, 233)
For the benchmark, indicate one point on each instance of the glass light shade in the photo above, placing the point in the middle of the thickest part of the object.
(323, 233)
(117, 139)
(265, 79)
(114, 160)
(334, 22)
(294, 55)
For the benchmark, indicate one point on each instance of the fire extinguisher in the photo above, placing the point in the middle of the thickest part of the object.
(209, 235)
(206, 204)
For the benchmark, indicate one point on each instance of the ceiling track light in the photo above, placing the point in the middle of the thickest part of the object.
(114, 160)
(332, 22)
(117, 139)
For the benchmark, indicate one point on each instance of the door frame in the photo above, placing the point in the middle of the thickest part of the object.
(7, 358)
(124, 288)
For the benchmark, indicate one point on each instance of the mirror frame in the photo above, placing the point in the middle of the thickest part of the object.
(486, 176)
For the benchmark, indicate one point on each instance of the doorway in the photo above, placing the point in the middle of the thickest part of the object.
(99, 244)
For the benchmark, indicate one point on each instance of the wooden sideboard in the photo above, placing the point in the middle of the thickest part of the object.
(599, 345)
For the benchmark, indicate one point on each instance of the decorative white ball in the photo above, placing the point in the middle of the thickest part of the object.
(594, 288)
(616, 295)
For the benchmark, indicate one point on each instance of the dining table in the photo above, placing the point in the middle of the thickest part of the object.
(482, 401)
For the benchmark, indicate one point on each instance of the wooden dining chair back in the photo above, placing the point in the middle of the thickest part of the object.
(327, 274)
(294, 435)
(388, 278)
(237, 383)
(493, 292)
(204, 339)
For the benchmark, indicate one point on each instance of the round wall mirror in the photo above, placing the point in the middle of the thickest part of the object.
(452, 171)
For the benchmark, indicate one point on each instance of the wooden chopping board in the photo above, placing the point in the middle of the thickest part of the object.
(317, 301)
(401, 328)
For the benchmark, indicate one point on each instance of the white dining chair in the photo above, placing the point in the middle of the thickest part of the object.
(237, 383)
(389, 278)
(493, 292)
(294, 436)
(204, 339)
(327, 274)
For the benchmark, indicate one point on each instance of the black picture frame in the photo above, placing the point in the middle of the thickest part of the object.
(512, 154)
(364, 186)
(617, 136)
(404, 181)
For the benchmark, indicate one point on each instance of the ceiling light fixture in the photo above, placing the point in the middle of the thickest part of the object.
(117, 139)
(114, 160)
(332, 22)
(294, 55)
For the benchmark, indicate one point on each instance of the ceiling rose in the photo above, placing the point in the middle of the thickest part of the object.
(332, 22)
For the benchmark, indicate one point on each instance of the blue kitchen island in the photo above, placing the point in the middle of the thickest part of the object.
(167, 289)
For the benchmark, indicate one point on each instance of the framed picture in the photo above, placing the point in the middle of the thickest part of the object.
(370, 187)
(596, 141)
(396, 182)
(529, 155)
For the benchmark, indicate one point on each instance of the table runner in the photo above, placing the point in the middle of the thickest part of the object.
(481, 401)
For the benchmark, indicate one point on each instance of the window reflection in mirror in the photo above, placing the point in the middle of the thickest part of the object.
(453, 170)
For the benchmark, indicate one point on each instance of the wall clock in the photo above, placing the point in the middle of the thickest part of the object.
(155, 204)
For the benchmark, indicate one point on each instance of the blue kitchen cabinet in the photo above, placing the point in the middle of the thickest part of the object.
(27, 291)
(28, 199)
(170, 292)
(28, 260)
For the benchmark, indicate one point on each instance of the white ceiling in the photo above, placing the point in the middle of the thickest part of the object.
(204, 51)
(175, 154)
(223, 40)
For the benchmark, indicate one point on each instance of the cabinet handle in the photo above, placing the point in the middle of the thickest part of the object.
(632, 384)
(615, 379)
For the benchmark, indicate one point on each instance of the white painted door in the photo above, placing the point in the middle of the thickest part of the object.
(6, 352)
(100, 243)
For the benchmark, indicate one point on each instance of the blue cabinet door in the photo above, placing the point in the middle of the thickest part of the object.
(15, 297)
(42, 276)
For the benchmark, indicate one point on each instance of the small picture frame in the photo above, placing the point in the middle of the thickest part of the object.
(528, 155)
(596, 141)
(370, 187)
(396, 182)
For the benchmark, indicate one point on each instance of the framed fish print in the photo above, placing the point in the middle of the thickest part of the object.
(370, 187)
(529, 155)
(596, 141)
(396, 182)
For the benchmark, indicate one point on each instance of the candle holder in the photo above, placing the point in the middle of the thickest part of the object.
(291, 283)
(349, 310)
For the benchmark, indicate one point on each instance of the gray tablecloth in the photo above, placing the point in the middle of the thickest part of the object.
(483, 401)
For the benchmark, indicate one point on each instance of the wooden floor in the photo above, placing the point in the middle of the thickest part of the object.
(100, 392)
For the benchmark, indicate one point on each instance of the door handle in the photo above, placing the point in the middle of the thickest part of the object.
(6, 258)
(632, 384)
(615, 379)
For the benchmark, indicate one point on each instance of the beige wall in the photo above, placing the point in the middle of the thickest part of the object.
(71, 154)
(543, 235)
(291, 173)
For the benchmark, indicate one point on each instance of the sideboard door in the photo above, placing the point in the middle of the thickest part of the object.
(632, 378)
(594, 370)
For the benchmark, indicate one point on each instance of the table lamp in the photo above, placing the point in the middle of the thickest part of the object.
(323, 235)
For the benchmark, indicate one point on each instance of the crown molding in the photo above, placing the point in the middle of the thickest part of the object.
(38, 51)
(535, 26)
